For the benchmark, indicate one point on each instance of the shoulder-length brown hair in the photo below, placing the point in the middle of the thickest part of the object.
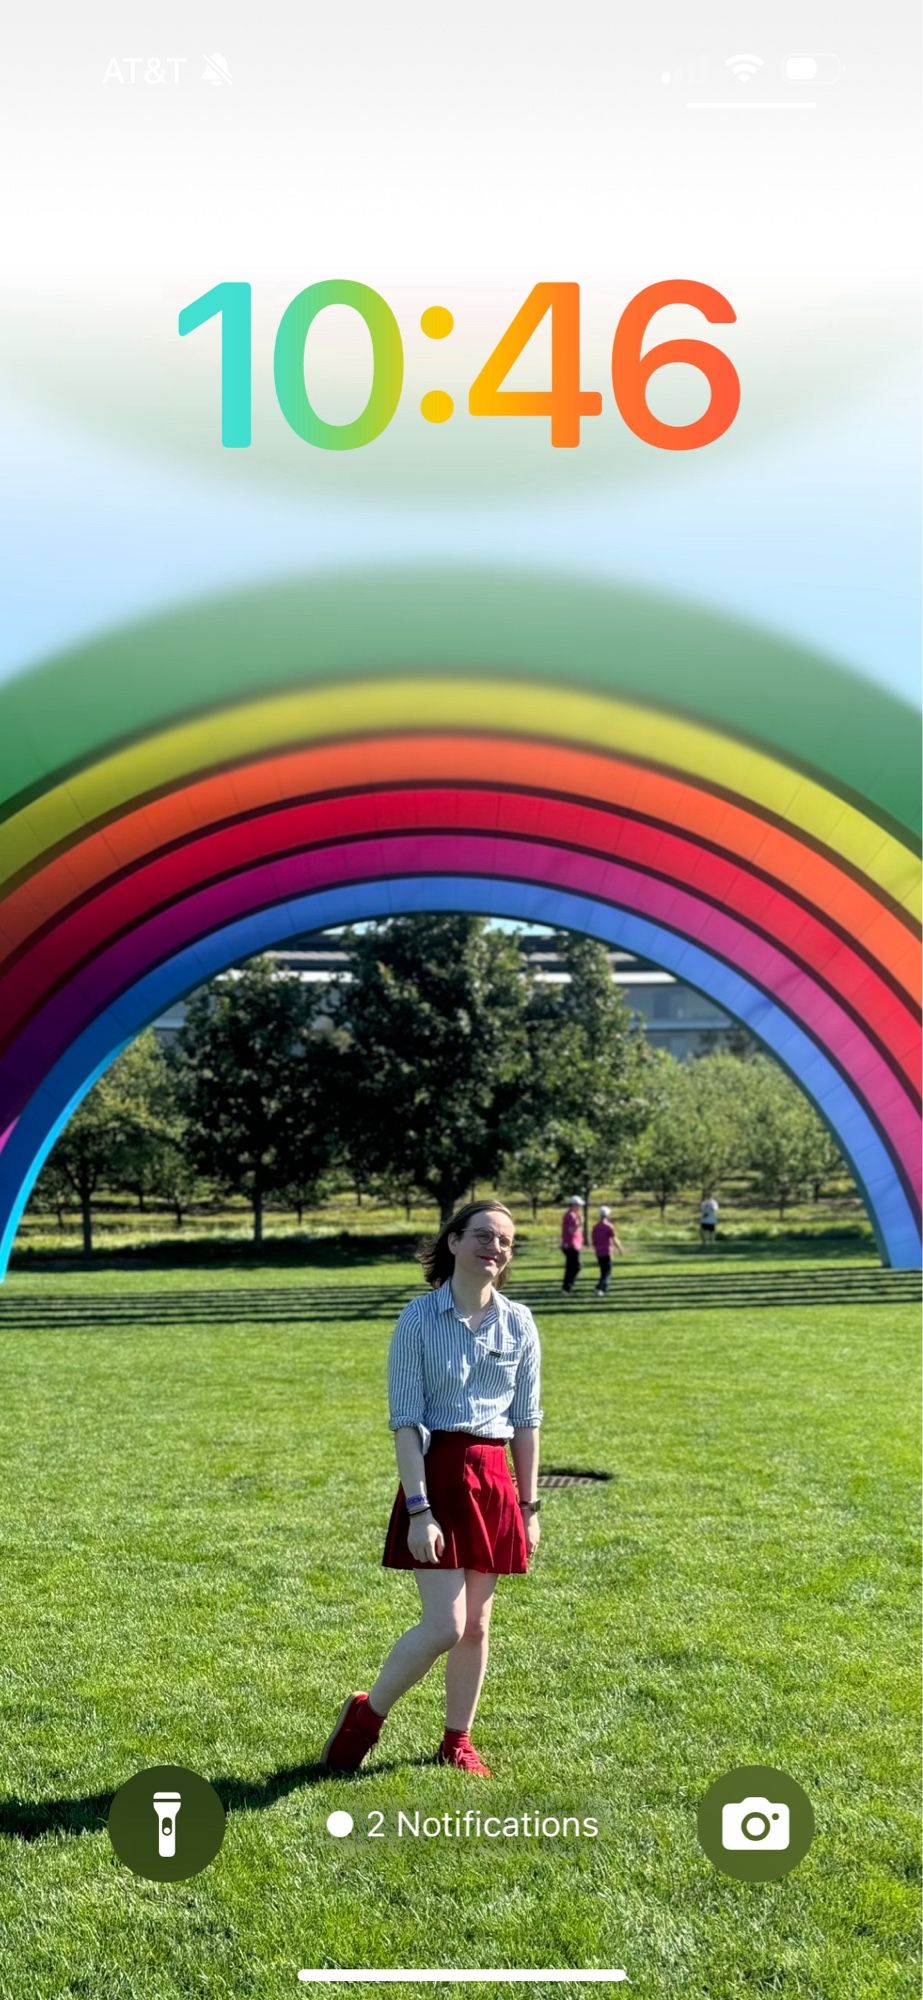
(438, 1260)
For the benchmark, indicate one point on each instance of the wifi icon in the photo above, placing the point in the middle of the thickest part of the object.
(743, 67)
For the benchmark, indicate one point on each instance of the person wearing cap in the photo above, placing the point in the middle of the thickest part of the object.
(604, 1242)
(572, 1241)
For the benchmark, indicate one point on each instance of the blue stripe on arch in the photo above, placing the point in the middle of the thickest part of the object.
(50, 1107)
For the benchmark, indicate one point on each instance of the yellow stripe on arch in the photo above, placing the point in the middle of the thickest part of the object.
(359, 708)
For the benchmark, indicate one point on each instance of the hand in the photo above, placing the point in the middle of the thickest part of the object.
(425, 1539)
(533, 1530)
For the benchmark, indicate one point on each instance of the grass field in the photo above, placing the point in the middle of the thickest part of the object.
(197, 1474)
(120, 1229)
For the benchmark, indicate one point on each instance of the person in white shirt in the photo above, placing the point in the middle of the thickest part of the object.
(708, 1221)
(463, 1382)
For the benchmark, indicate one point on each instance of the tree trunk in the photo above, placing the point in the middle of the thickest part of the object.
(86, 1217)
(60, 1213)
(140, 1193)
(662, 1204)
(408, 1205)
(257, 1213)
(448, 1202)
(586, 1209)
(535, 1208)
(299, 1211)
(178, 1213)
(358, 1194)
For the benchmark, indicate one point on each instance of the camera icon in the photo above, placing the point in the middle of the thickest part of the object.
(762, 1824)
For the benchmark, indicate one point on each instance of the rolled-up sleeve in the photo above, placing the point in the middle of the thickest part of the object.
(405, 1371)
(526, 1407)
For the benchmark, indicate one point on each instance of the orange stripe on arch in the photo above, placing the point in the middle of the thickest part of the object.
(379, 762)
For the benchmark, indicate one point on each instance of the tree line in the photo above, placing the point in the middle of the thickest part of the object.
(435, 1061)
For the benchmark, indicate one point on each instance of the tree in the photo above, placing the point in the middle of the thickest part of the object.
(663, 1155)
(721, 1090)
(52, 1190)
(534, 1168)
(144, 1079)
(359, 1140)
(433, 1008)
(110, 1133)
(584, 1093)
(251, 1072)
(787, 1138)
(304, 1190)
(174, 1178)
(826, 1162)
(402, 1184)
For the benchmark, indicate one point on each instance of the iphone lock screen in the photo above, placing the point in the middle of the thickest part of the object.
(460, 1000)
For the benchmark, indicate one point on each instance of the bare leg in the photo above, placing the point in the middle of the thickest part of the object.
(442, 1594)
(466, 1664)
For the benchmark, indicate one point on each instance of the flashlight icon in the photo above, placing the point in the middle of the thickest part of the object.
(166, 1806)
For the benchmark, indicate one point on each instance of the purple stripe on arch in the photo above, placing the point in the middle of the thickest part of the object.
(122, 963)
(90, 1053)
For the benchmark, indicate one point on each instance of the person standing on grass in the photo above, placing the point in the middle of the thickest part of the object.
(572, 1241)
(708, 1221)
(604, 1242)
(463, 1381)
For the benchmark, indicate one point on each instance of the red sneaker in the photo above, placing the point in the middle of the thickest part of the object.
(357, 1729)
(464, 1757)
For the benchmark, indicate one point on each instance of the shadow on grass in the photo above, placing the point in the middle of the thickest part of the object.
(323, 1253)
(39, 1820)
(705, 1287)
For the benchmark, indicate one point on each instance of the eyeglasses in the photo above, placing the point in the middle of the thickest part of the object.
(485, 1237)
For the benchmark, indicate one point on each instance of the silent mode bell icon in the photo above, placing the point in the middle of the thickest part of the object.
(166, 1806)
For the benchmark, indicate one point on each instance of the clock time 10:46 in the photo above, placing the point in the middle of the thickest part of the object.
(564, 403)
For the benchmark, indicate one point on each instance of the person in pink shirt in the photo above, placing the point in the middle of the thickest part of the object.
(604, 1242)
(572, 1241)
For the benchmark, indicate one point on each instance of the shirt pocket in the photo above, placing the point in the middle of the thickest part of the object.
(496, 1366)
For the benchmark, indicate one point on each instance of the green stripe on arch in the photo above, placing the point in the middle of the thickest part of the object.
(799, 707)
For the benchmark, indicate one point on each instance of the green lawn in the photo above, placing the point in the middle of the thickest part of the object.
(197, 1475)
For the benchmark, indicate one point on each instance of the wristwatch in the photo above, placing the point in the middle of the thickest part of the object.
(533, 1505)
(417, 1503)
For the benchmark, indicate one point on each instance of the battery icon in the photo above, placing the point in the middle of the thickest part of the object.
(813, 69)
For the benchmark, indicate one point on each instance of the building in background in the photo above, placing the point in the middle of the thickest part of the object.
(675, 1017)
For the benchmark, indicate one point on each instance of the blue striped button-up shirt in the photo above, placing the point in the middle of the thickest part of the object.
(443, 1377)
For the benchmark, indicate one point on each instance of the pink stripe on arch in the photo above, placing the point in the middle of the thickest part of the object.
(87, 926)
(120, 964)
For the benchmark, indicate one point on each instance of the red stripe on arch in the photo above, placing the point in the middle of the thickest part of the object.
(580, 776)
(159, 882)
(123, 962)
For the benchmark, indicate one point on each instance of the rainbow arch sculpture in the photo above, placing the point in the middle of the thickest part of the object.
(182, 794)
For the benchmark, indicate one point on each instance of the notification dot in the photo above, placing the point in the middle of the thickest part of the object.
(339, 1824)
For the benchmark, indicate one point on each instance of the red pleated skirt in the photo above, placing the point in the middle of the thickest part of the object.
(473, 1498)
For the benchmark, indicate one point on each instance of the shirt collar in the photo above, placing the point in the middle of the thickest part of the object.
(445, 1301)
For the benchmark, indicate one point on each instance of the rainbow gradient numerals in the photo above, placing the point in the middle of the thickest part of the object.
(565, 403)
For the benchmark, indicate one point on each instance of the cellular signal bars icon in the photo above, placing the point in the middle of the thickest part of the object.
(217, 70)
(743, 67)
